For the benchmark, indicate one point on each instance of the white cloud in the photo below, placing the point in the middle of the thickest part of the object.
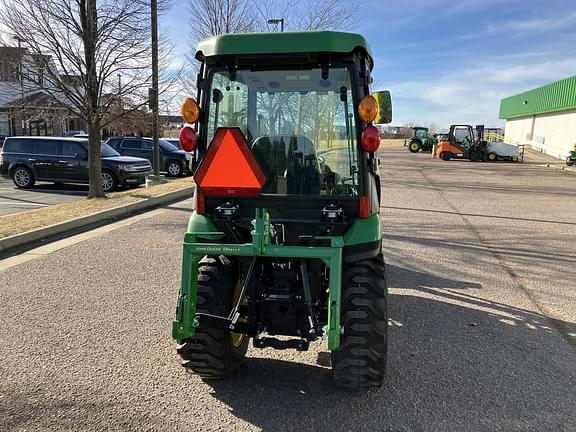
(534, 25)
(471, 95)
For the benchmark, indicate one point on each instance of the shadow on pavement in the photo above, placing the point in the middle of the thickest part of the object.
(29, 410)
(456, 362)
(478, 215)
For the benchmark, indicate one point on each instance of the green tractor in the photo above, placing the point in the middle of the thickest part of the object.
(284, 245)
(420, 140)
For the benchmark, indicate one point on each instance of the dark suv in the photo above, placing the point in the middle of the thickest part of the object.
(65, 160)
(174, 161)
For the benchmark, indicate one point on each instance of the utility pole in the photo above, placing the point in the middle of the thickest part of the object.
(120, 92)
(21, 78)
(153, 95)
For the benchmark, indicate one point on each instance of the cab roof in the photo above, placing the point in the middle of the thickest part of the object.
(281, 43)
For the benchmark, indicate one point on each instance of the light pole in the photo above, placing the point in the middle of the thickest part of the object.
(153, 96)
(20, 77)
(277, 21)
(120, 92)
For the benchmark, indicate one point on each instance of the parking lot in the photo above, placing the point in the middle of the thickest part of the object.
(482, 278)
(14, 200)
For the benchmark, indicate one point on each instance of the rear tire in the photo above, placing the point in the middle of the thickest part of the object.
(492, 157)
(360, 361)
(414, 146)
(214, 352)
(446, 156)
(174, 168)
(23, 177)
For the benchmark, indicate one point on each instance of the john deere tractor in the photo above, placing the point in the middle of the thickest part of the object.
(420, 140)
(284, 244)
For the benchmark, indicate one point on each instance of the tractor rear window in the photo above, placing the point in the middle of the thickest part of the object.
(298, 123)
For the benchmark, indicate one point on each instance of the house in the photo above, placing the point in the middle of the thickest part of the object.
(26, 107)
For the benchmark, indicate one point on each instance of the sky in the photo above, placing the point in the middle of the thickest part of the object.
(451, 61)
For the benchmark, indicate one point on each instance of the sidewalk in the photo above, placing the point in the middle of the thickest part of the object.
(21, 229)
(535, 157)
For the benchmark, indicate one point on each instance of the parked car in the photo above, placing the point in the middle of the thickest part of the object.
(73, 133)
(174, 141)
(173, 160)
(65, 160)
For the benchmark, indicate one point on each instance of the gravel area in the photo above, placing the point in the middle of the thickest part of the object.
(482, 305)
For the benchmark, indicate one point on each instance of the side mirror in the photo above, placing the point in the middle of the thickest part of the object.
(81, 156)
(385, 104)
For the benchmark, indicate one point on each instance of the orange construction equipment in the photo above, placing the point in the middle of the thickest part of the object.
(463, 142)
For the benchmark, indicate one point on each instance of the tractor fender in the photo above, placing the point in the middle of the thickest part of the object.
(363, 239)
(203, 227)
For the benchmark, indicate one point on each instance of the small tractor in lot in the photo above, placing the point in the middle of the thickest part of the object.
(571, 158)
(420, 140)
(284, 245)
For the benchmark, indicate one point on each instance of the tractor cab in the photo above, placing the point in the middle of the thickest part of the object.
(302, 116)
(420, 140)
(420, 132)
(285, 238)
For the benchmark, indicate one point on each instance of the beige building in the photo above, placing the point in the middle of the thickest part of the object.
(544, 117)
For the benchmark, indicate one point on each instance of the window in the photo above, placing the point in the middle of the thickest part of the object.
(421, 133)
(19, 146)
(147, 144)
(8, 71)
(48, 147)
(168, 146)
(71, 149)
(131, 144)
(299, 124)
(107, 151)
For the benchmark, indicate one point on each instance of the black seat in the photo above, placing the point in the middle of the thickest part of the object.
(290, 163)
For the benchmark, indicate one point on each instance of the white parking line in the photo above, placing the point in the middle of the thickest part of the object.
(23, 204)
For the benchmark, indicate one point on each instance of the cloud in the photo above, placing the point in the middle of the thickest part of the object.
(534, 25)
(471, 95)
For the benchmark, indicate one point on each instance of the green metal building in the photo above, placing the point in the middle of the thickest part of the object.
(544, 117)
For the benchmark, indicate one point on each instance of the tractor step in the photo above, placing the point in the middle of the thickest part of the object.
(269, 342)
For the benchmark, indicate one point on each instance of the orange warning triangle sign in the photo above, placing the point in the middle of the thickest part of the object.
(229, 167)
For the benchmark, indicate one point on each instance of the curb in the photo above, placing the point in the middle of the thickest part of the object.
(17, 240)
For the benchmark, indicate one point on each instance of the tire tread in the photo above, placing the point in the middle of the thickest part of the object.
(360, 361)
(210, 353)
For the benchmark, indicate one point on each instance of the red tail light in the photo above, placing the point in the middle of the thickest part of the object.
(370, 139)
(364, 207)
(200, 202)
(188, 138)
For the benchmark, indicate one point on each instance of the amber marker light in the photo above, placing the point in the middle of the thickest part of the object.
(368, 109)
(190, 110)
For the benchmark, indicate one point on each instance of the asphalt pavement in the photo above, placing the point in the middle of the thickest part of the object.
(14, 200)
(482, 270)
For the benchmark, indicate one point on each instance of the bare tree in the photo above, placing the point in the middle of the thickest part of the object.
(214, 17)
(81, 47)
(306, 15)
